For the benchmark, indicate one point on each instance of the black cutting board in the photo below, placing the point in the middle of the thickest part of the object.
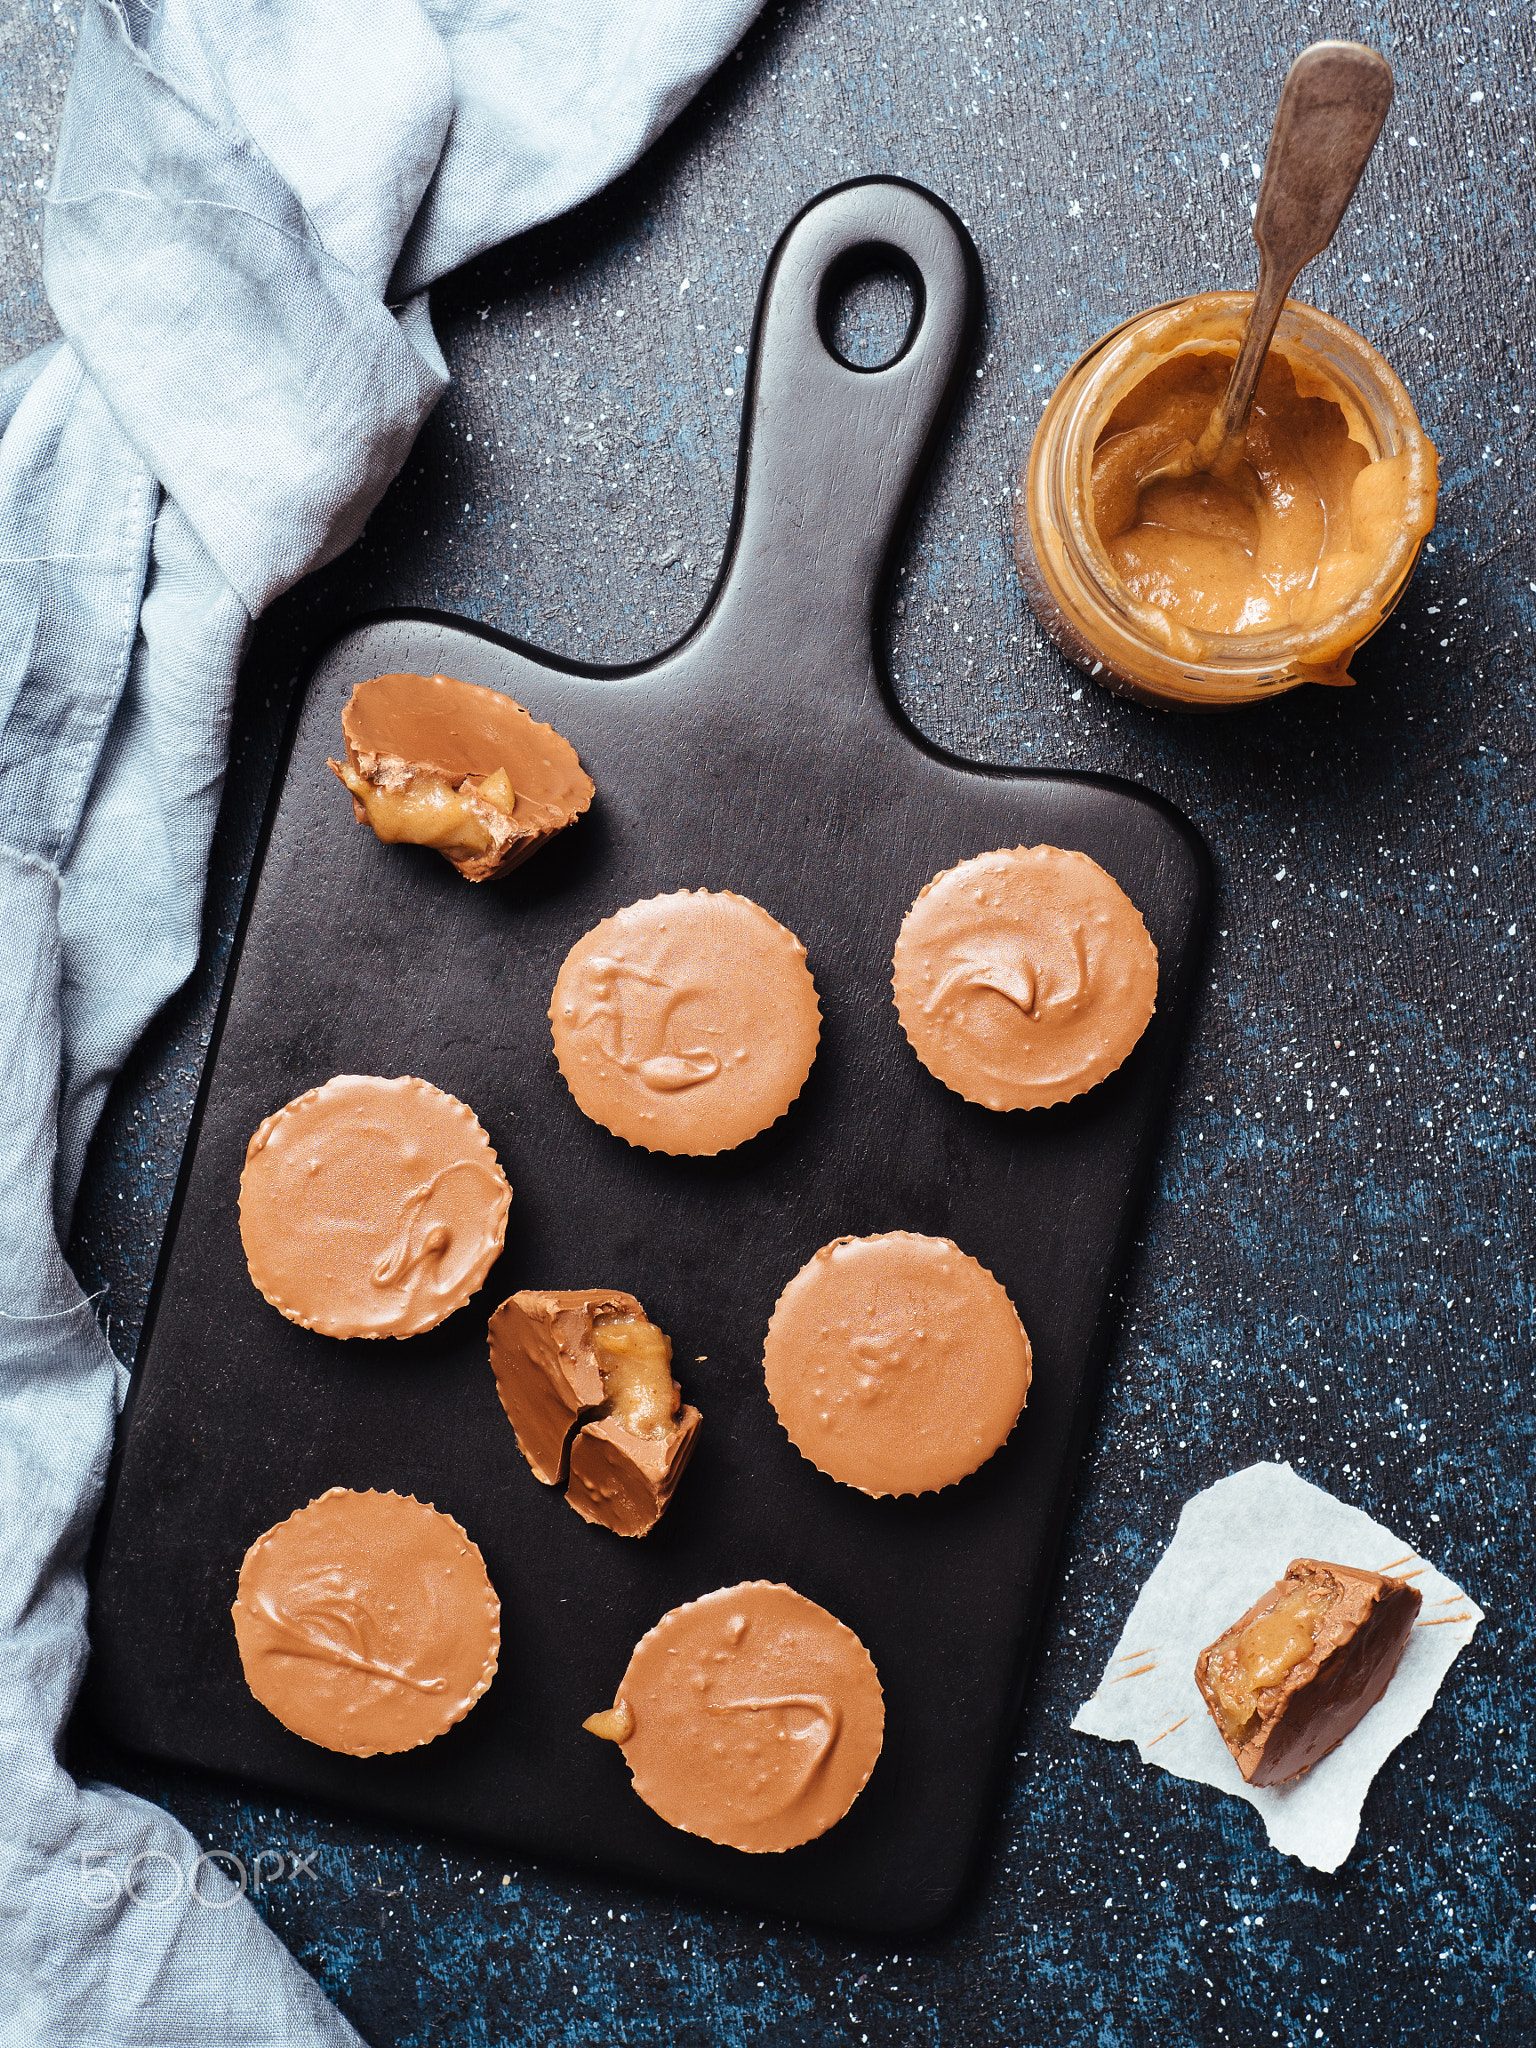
(766, 755)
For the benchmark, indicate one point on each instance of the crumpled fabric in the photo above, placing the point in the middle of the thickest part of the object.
(251, 199)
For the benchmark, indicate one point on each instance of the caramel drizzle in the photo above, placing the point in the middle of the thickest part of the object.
(406, 1256)
(316, 1631)
(1019, 984)
(827, 1713)
(663, 1072)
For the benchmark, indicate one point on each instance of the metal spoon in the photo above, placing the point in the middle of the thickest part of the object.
(1332, 107)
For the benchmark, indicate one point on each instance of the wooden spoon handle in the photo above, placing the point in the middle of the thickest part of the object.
(1332, 107)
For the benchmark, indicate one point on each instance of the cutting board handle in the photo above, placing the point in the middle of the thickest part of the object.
(832, 455)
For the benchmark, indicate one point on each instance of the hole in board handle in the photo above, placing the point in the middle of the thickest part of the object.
(871, 307)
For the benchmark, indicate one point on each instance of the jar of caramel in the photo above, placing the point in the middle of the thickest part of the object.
(1209, 592)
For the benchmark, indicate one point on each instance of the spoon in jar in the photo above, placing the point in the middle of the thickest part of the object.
(1332, 107)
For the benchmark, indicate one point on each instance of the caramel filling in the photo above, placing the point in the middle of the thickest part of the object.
(428, 810)
(613, 1724)
(635, 1360)
(1265, 1653)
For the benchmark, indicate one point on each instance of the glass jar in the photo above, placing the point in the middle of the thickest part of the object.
(1072, 585)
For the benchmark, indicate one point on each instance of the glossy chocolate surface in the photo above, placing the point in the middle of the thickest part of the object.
(687, 1023)
(896, 1363)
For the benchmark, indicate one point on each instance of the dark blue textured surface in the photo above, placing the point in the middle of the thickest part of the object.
(1334, 1265)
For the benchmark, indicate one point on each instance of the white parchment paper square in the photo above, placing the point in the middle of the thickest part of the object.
(1232, 1543)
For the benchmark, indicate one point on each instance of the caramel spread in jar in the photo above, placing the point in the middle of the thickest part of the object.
(1287, 540)
(1211, 591)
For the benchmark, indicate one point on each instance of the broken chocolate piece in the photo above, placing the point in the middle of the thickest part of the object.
(546, 1369)
(624, 1482)
(436, 762)
(587, 1385)
(1290, 1678)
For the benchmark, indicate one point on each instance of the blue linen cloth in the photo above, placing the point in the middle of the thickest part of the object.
(251, 199)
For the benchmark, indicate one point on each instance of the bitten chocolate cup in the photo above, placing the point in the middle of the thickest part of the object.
(366, 1622)
(687, 1023)
(432, 761)
(371, 1207)
(1303, 1667)
(751, 1717)
(586, 1382)
(1024, 977)
(897, 1364)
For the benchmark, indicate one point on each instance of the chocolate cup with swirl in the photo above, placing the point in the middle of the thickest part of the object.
(366, 1622)
(686, 1023)
(751, 1717)
(1024, 977)
(371, 1207)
